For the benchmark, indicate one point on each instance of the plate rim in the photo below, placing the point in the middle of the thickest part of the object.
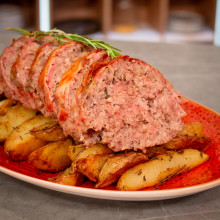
(114, 194)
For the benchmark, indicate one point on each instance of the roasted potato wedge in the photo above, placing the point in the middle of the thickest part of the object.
(74, 150)
(20, 143)
(116, 165)
(52, 157)
(50, 132)
(5, 105)
(90, 161)
(192, 136)
(96, 149)
(66, 178)
(165, 166)
(91, 166)
(192, 129)
(15, 116)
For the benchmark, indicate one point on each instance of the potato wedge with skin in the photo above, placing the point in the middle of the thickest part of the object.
(74, 150)
(66, 178)
(52, 157)
(116, 165)
(50, 132)
(91, 166)
(192, 136)
(94, 150)
(90, 161)
(20, 143)
(15, 116)
(5, 105)
(153, 172)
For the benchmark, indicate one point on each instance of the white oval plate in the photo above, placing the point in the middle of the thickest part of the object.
(113, 194)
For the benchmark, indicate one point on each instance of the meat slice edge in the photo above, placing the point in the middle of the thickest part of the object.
(36, 68)
(58, 62)
(71, 81)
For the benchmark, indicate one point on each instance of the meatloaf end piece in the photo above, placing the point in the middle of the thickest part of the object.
(57, 64)
(36, 68)
(71, 81)
(8, 58)
(127, 105)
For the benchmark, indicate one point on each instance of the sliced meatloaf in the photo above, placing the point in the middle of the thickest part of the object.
(57, 64)
(8, 58)
(126, 104)
(36, 68)
(70, 82)
(21, 68)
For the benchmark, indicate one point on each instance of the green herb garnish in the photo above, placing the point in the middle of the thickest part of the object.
(63, 37)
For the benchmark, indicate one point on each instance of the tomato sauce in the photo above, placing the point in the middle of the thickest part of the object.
(207, 171)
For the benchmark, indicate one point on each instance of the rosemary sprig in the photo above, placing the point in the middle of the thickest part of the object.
(63, 37)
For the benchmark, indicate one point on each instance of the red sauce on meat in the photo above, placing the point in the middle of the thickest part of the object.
(208, 171)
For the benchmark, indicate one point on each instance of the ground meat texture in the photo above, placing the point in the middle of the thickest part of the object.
(36, 68)
(127, 105)
(58, 62)
(70, 82)
(8, 58)
(21, 69)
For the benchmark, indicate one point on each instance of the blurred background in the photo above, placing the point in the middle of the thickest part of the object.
(182, 21)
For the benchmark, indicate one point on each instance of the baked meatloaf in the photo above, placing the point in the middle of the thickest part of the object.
(126, 104)
(121, 101)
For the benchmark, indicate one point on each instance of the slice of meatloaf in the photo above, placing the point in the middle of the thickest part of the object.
(8, 58)
(36, 68)
(128, 105)
(21, 68)
(70, 82)
(57, 64)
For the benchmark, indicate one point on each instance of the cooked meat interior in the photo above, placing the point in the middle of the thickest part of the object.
(127, 105)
